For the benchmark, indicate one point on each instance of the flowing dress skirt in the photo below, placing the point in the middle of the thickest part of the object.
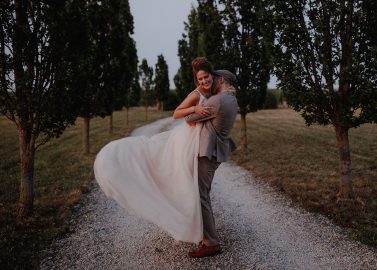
(156, 178)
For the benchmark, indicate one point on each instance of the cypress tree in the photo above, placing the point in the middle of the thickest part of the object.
(210, 40)
(203, 37)
(247, 52)
(161, 81)
(187, 50)
(148, 95)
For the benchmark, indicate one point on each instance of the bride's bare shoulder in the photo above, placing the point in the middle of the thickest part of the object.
(194, 92)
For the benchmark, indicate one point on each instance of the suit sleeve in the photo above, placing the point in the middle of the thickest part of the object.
(215, 106)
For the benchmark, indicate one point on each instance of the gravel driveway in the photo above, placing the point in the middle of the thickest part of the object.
(259, 229)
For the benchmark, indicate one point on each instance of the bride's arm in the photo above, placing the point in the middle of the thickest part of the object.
(190, 105)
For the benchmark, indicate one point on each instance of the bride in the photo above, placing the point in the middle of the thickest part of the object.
(156, 178)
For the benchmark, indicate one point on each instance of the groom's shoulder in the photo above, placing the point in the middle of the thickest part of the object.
(218, 96)
(214, 98)
(221, 98)
(228, 96)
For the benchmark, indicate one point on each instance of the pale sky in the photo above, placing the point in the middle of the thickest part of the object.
(158, 25)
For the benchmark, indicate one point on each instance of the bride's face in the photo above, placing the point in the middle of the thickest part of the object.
(205, 80)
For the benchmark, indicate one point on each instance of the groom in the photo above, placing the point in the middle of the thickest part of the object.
(215, 146)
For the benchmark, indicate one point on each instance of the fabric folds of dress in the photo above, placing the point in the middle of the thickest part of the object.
(156, 178)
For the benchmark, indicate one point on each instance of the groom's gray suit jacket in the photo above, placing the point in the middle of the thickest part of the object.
(215, 140)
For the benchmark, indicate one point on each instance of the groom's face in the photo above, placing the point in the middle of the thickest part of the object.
(216, 84)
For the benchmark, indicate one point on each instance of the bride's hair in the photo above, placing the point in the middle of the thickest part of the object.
(201, 63)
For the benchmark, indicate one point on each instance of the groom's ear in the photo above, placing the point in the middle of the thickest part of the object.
(221, 80)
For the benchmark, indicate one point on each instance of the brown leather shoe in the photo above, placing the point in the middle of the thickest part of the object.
(205, 251)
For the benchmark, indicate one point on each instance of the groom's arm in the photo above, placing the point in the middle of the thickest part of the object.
(213, 103)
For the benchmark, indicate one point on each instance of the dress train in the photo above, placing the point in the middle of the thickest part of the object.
(156, 178)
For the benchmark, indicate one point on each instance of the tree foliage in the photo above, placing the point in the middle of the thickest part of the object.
(123, 47)
(161, 80)
(148, 95)
(133, 95)
(187, 50)
(210, 29)
(146, 76)
(34, 69)
(172, 101)
(369, 8)
(272, 100)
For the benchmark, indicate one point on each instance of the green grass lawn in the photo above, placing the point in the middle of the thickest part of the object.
(62, 174)
(303, 162)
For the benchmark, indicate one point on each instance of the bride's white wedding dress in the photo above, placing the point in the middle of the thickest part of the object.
(156, 178)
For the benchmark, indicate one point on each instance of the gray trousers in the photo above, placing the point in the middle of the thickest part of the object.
(206, 171)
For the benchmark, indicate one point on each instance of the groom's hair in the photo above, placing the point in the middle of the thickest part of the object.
(201, 63)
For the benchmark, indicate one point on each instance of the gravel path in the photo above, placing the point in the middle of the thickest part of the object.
(259, 229)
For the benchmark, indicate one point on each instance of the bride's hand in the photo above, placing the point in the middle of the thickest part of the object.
(203, 110)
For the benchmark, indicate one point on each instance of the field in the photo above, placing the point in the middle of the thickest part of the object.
(298, 160)
(62, 174)
(303, 162)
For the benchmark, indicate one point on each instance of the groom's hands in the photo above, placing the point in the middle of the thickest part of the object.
(212, 108)
(203, 111)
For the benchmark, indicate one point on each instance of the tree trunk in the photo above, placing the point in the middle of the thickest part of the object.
(111, 124)
(243, 134)
(27, 154)
(345, 187)
(158, 106)
(127, 116)
(2, 64)
(85, 136)
(146, 113)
